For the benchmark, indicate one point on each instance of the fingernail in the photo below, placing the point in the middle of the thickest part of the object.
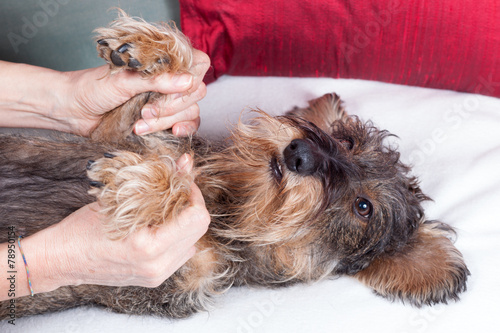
(182, 81)
(184, 130)
(141, 127)
(179, 131)
(149, 112)
(183, 161)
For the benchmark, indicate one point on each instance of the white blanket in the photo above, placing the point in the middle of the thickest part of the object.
(453, 141)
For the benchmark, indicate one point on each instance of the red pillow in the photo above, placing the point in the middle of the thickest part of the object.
(449, 44)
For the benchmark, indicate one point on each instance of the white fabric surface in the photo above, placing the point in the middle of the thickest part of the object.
(453, 142)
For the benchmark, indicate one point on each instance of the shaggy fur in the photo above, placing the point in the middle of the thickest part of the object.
(294, 199)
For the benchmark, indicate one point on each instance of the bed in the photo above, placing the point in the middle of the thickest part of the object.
(452, 141)
(450, 138)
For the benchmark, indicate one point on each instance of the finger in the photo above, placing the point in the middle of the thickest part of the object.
(146, 126)
(159, 269)
(168, 105)
(182, 232)
(200, 65)
(191, 223)
(170, 263)
(199, 217)
(178, 260)
(175, 243)
(176, 236)
(196, 198)
(185, 163)
(181, 83)
(186, 128)
(169, 83)
(166, 83)
(180, 109)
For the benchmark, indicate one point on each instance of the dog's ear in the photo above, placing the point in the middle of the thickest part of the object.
(321, 111)
(428, 270)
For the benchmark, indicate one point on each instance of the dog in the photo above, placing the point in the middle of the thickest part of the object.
(297, 198)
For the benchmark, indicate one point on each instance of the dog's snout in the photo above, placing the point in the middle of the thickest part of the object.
(300, 157)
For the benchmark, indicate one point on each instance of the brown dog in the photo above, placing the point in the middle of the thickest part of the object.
(296, 198)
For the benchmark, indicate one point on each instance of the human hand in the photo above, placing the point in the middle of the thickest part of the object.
(147, 257)
(93, 92)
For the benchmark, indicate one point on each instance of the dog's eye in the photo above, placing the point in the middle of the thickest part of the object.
(363, 207)
(348, 143)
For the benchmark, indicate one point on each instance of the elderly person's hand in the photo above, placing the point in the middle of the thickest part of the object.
(74, 101)
(77, 251)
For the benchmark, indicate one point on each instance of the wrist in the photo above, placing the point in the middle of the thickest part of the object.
(47, 259)
(32, 97)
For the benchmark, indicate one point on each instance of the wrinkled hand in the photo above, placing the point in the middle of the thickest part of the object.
(92, 93)
(147, 257)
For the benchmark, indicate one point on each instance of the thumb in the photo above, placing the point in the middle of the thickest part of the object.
(185, 163)
(166, 83)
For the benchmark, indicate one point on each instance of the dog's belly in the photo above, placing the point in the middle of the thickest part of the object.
(42, 181)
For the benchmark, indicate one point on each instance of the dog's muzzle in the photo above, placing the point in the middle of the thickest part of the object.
(301, 157)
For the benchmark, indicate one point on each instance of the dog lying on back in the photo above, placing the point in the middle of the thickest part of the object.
(296, 198)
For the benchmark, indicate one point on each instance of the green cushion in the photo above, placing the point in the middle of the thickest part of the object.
(58, 33)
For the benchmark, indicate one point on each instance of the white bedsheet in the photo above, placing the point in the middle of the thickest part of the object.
(453, 141)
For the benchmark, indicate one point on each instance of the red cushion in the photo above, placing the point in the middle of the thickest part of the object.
(449, 44)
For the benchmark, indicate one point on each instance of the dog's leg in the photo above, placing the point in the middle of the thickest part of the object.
(135, 45)
(429, 270)
(136, 191)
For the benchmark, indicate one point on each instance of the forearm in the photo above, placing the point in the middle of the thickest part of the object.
(13, 281)
(30, 96)
(43, 262)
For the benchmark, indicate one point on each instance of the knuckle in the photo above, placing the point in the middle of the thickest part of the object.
(165, 105)
(136, 243)
(202, 219)
(201, 92)
(196, 220)
(144, 249)
(190, 253)
(202, 58)
(156, 80)
(165, 112)
(151, 274)
(193, 112)
(156, 283)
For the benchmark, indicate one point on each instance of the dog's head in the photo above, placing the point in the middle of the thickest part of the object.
(318, 192)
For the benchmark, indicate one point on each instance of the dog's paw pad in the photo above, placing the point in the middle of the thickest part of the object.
(116, 59)
(120, 57)
(132, 44)
(134, 63)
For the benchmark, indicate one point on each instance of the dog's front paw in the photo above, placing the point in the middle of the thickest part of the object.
(133, 44)
(136, 191)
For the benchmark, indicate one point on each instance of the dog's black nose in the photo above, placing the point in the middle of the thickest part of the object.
(300, 157)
